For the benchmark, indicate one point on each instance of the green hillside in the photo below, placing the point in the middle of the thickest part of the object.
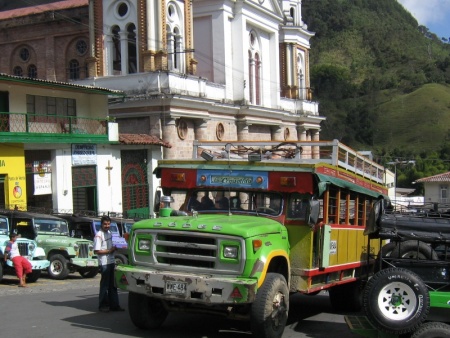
(417, 120)
(382, 81)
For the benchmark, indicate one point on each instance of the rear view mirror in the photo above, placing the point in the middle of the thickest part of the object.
(314, 210)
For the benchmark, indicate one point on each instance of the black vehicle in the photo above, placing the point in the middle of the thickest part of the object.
(412, 282)
(87, 227)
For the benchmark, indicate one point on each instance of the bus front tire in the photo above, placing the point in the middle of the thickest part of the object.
(145, 312)
(396, 301)
(269, 312)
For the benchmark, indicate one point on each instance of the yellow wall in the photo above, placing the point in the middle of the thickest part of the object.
(12, 164)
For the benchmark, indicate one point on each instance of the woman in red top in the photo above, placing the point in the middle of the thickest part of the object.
(21, 264)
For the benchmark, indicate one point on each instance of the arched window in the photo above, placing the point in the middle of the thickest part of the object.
(254, 69)
(32, 71)
(117, 59)
(18, 71)
(176, 48)
(257, 79)
(74, 70)
(175, 37)
(250, 75)
(300, 78)
(132, 49)
(121, 42)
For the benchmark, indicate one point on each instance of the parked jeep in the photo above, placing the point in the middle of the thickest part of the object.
(27, 248)
(87, 227)
(66, 254)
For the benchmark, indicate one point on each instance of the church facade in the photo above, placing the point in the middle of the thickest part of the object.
(190, 70)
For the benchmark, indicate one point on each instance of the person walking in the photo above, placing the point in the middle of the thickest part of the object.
(21, 264)
(103, 248)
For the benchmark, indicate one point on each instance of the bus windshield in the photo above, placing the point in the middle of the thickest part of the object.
(234, 201)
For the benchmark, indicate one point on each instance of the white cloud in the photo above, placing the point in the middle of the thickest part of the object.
(428, 11)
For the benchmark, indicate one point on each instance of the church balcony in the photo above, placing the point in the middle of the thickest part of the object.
(157, 85)
(300, 107)
(35, 128)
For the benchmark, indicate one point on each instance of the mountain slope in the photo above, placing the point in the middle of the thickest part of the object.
(375, 73)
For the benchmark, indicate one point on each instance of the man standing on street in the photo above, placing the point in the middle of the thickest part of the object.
(103, 248)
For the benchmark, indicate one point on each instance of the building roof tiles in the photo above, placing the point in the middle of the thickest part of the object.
(32, 10)
(139, 139)
(444, 177)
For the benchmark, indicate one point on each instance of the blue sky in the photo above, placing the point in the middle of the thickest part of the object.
(433, 14)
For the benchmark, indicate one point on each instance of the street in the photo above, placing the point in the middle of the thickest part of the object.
(50, 308)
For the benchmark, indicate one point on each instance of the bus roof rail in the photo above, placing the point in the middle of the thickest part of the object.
(333, 153)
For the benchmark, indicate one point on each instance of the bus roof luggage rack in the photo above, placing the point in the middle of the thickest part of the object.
(333, 153)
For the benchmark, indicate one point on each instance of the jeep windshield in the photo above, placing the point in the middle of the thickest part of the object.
(3, 226)
(53, 226)
(235, 201)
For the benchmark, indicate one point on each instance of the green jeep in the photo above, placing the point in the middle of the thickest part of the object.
(27, 247)
(66, 254)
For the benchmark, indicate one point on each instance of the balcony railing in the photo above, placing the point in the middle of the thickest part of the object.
(15, 125)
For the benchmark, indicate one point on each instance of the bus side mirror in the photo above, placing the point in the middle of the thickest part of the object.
(314, 210)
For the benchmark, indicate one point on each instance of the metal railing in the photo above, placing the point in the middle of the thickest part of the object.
(305, 152)
(51, 124)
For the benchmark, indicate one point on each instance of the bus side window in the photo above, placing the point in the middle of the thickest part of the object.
(298, 208)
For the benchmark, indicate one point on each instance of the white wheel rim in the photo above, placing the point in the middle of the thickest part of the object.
(397, 301)
(56, 267)
(278, 309)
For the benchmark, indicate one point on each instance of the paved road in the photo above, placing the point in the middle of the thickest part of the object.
(52, 308)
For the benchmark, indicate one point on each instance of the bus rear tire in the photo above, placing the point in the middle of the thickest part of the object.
(145, 312)
(396, 301)
(269, 312)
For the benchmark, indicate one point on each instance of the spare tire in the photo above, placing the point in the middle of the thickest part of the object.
(414, 250)
(396, 301)
(385, 252)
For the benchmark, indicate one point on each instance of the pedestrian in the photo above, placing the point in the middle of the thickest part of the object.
(21, 264)
(103, 248)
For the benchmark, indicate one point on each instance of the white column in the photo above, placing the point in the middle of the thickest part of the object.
(109, 57)
(289, 63)
(124, 52)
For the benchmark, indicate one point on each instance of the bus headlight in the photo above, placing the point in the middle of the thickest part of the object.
(144, 244)
(230, 252)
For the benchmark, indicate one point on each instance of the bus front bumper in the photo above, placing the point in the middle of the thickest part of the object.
(185, 287)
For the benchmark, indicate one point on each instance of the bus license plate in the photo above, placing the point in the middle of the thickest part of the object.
(90, 263)
(175, 287)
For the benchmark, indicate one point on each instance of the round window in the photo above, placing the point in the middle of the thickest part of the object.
(24, 54)
(220, 131)
(287, 133)
(81, 47)
(182, 129)
(171, 11)
(122, 9)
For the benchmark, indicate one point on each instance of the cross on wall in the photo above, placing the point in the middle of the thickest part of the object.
(109, 168)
